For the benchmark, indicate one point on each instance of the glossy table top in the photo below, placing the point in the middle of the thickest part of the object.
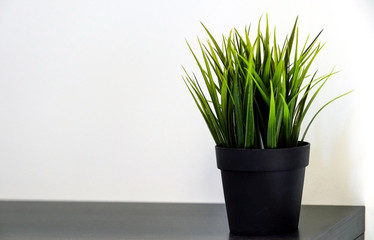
(158, 221)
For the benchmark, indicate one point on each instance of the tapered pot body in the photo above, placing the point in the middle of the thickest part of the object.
(263, 188)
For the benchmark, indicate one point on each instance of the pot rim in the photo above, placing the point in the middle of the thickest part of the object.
(300, 144)
(263, 160)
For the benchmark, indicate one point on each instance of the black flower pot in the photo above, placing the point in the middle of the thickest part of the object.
(263, 188)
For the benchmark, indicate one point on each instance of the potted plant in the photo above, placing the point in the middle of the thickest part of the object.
(256, 99)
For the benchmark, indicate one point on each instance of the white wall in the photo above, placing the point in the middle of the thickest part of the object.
(93, 107)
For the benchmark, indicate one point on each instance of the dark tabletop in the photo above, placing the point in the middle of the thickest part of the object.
(159, 221)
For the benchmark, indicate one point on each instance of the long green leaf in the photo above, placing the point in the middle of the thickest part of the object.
(315, 115)
(271, 133)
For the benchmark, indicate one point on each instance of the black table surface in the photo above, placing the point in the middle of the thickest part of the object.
(21, 220)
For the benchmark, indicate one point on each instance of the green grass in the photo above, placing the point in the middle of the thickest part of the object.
(257, 93)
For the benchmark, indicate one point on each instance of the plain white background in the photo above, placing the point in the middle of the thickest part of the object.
(93, 106)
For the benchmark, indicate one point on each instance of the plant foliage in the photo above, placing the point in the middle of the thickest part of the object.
(259, 92)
